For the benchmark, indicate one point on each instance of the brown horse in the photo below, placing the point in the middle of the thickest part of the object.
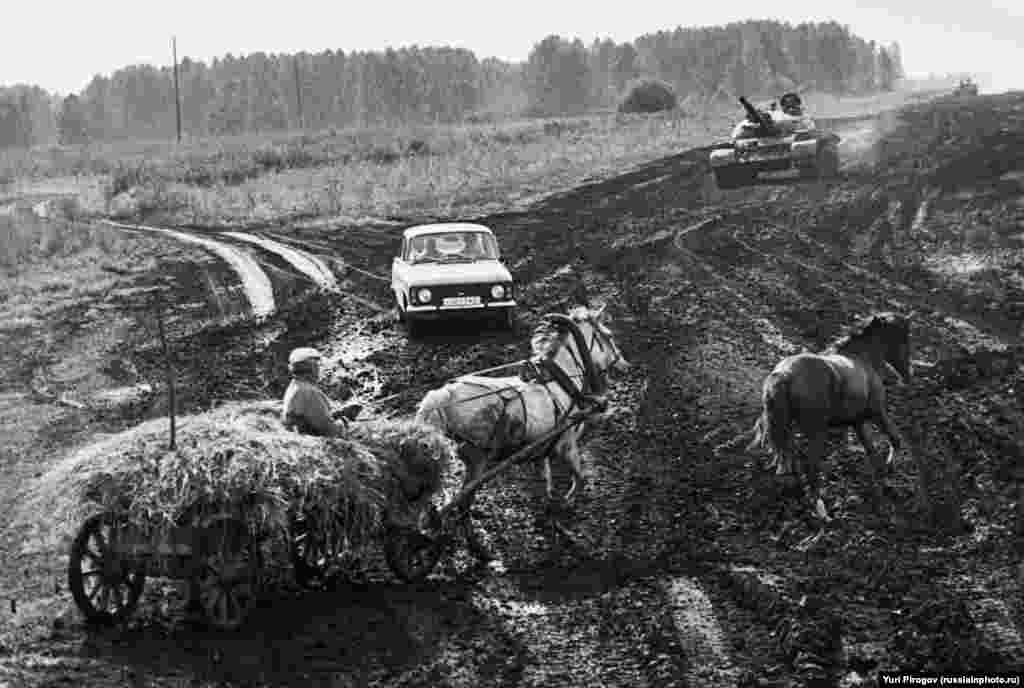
(841, 387)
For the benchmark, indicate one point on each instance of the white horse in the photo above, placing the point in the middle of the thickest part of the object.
(493, 416)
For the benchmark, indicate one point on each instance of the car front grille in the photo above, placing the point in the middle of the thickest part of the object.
(441, 292)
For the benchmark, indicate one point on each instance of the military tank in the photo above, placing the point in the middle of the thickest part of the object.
(774, 140)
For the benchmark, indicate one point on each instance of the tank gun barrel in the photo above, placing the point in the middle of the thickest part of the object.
(763, 119)
(752, 112)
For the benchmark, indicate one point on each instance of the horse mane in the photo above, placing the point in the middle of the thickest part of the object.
(863, 328)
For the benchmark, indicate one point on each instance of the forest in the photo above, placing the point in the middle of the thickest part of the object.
(426, 85)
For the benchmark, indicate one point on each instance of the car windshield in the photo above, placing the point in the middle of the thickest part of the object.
(449, 247)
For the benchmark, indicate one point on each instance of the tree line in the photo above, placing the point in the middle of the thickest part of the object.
(273, 92)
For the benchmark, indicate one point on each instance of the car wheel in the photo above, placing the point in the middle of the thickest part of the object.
(399, 310)
(508, 319)
(413, 327)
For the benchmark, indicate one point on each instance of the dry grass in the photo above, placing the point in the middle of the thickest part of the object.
(26, 240)
(239, 459)
(50, 266)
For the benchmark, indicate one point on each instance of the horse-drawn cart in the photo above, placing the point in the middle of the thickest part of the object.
(238, 492)
(413, 545)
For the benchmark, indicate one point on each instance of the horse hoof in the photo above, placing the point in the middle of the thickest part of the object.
(819, 508)
(484, 556)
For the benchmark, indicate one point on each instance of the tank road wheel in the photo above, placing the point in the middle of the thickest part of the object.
(228, 573)
(410, 554)
(105, 587)
(733, 177)
(811, 170)
(313, 555)
(830, 167)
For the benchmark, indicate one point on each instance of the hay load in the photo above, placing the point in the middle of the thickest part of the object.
(239, 458)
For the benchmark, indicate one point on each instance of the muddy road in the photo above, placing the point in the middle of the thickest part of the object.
(680, 565)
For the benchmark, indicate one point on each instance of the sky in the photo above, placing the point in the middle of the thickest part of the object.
(62, 45)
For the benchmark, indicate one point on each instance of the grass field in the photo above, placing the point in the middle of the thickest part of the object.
(438, 171)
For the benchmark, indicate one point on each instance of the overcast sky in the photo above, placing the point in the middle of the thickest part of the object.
(62, 45)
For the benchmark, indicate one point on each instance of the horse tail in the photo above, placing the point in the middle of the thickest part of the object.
(772, 429)
(431, 408)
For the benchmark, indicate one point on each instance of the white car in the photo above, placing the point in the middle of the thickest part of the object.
(451, 268)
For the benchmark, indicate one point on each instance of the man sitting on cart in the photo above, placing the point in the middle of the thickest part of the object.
(306, 409)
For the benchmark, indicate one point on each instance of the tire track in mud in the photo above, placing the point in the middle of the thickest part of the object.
(709, 664)
(257, 285)
(309, 265)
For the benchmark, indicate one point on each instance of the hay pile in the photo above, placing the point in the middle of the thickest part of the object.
(239, 458)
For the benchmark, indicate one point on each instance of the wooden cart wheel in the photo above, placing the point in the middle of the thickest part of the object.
(410, 554)
(228, 576)
(313, 556)
(105, 587)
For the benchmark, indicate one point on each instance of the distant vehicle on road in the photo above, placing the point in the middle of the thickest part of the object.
(966, 87)
(449, 269)
(775, 140)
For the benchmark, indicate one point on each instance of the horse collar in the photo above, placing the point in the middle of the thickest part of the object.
(590, 384)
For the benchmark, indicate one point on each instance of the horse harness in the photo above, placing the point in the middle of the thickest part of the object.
(546, 370)
(542, 370)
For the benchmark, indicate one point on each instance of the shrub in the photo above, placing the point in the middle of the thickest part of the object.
(382, 155)
(649, 96)
(417, 147)
(126, 177)
(297, 156)
(269, 159)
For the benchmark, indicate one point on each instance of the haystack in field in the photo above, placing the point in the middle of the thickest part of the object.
(239, 458)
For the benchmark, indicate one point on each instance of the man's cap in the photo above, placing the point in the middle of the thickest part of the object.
(303, 354)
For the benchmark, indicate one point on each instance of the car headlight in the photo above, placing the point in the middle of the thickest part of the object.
(423, 295)
(497, 291)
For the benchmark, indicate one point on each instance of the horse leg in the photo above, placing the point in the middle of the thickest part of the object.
(877, 464)
(812, 470)
(548, 479)
(571, 452)
(475, 462)
(895, 439)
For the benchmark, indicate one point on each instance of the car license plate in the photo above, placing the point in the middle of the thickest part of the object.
(461, 301)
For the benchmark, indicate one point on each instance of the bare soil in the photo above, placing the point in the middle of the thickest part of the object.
(680, 564)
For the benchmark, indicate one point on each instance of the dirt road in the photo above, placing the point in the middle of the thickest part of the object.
(682, 569)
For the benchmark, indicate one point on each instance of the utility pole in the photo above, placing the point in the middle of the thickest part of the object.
(159, 305)
(177, 94)
(298, 90)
